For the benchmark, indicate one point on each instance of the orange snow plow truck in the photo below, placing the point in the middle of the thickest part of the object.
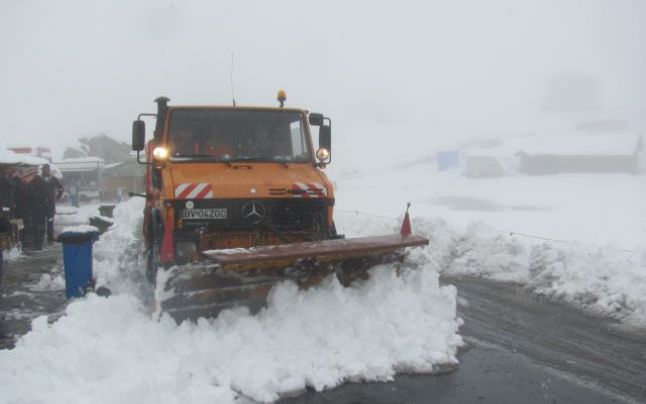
(236, 201)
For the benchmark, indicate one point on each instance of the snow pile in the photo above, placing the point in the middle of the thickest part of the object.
(477, 251)
(62, 210)
(49, 282)
(117, 263)
(108, 350)
(69, 215)
(354, 223)
(602, 280)
(12, 254)
(605, 280)
(80, 228)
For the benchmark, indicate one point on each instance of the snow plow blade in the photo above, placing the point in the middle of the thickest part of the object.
(228, 278)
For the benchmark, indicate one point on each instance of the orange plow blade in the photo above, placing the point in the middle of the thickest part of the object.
(227, 278)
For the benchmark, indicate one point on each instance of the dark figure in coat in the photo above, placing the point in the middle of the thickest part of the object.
(37, 198)
(55, 190)
(7, 189)
(6, 205)
(19, 189)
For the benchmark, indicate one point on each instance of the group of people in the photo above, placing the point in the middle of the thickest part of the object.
(34, 202)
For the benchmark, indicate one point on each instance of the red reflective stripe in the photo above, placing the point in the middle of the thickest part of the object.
(204, 192)
(297, 191)
(187, 191)
(317, 191)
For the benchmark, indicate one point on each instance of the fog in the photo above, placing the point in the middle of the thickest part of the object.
(399, 79)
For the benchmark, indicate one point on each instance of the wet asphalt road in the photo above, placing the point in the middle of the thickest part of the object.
(521, 349)
(20, 299)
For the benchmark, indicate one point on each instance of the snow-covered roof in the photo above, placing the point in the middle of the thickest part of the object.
(32, 160)
(112, 165)
(90, 159)
(125, 169)
(8, 157)
(79, 164)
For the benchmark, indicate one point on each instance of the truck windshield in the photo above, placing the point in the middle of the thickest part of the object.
(237, 135)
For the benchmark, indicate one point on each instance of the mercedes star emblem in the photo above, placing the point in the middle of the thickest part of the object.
(253, 212)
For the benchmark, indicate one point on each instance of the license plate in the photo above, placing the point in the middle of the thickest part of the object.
(215, 213)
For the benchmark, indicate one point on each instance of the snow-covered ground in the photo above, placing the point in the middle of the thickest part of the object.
(579, 238)
(13, 254)
(592, 208)
(112, 350)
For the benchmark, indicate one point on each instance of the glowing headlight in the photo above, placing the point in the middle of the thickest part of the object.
(160, 153)
(322, 154)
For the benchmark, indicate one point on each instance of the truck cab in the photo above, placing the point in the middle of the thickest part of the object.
(222, 177)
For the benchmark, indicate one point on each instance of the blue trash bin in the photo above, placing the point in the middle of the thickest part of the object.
(77, 259)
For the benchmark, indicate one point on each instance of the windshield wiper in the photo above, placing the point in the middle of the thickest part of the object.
(262, 160)
(201, 157)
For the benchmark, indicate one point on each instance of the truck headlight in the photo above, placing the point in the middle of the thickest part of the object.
(160, 153)
(322, 154)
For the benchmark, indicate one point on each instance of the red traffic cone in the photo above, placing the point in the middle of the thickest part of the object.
(406, 229)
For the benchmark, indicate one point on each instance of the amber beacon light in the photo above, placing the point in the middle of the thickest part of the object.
(281, 97)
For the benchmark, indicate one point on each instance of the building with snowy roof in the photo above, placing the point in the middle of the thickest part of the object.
(25, 165)
(555, 154)
(85, 173)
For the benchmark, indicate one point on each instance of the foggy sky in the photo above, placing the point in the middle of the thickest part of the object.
(396, 77)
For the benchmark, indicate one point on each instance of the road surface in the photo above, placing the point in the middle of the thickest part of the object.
(20, 302)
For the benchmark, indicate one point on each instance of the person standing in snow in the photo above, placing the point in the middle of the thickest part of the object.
(6, 191)
(6, 206)
(54, 192)
(19, 195)
(37, 199)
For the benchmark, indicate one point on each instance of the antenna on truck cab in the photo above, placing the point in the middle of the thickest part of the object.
(233, 97)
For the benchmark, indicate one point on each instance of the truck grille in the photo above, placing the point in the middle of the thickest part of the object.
(291, 214)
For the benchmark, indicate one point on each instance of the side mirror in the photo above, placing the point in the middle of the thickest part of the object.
(324, 153)
(316, 119)
(138, 135)
(325, 138)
